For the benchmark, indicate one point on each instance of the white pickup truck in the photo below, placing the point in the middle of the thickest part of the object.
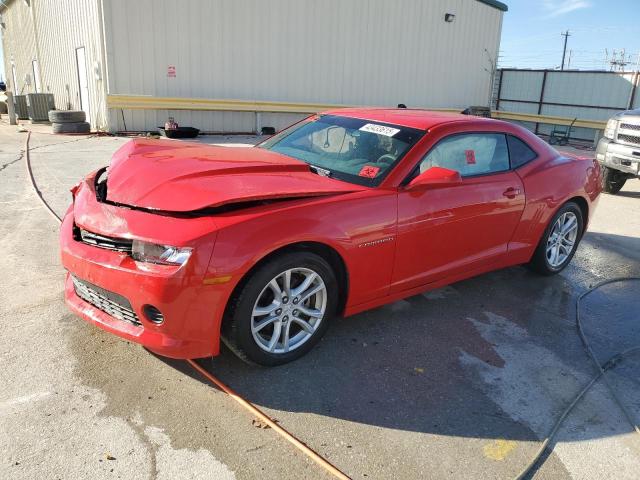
(619, 150)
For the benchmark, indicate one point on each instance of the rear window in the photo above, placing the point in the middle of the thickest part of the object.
(519, 152)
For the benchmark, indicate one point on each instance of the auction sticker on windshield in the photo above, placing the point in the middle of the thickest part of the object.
(369, 171)
(379, 129)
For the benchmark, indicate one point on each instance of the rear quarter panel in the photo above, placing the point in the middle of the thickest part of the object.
(550, 181)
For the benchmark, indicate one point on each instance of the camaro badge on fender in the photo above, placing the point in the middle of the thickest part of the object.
(375, 242)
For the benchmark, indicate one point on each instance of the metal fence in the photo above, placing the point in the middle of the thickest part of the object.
(587, 95)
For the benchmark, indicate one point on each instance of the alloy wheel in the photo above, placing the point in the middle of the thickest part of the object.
(289, 310)
(562, 239)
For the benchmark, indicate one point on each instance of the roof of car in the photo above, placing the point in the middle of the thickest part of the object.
(405, 117)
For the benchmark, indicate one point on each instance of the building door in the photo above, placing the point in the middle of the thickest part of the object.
(83, 81)
(36, 76)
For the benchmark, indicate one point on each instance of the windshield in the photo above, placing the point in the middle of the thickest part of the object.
(351, 149)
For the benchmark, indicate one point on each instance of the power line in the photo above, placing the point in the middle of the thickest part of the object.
(619, 64)
(578, 59)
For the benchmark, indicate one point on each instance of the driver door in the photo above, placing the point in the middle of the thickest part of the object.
(446, 230)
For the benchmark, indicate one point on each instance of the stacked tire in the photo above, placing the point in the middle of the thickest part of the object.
(69, 121)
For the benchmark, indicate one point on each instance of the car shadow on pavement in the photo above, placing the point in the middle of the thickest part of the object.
(495, 356)
(625, 193)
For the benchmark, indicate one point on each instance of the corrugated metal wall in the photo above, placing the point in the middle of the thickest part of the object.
(362, 52)
(585, 95)
(61, 28)
(19, 46)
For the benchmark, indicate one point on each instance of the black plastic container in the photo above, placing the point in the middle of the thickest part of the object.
(180, 132)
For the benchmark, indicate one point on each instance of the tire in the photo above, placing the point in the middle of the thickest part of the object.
(67, 116)
(76, 127)
(544, 260)
(553, 140)
(258, 295)
(612, 180)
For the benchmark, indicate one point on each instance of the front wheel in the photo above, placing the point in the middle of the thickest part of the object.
(283, 309)
(559, 241)
(612, 180)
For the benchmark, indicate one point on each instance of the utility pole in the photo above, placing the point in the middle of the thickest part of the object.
(566, 35)
(492, 72)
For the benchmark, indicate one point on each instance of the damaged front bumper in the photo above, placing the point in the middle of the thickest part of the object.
(169, 309)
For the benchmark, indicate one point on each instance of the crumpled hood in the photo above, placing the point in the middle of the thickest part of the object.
(182, 177)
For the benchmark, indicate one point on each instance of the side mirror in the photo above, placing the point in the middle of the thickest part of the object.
(435, 176)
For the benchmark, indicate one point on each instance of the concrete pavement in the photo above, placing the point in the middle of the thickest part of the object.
(461, 382)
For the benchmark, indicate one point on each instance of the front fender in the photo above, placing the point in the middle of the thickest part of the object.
(352, 225)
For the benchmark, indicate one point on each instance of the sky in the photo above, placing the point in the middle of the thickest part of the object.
(531, 33)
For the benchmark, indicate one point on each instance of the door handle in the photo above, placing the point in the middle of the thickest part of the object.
(511, 192)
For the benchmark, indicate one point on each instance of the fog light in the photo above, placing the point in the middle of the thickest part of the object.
(153, 314)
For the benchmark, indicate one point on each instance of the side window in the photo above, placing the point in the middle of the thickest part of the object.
(470, 154)
(519, 152)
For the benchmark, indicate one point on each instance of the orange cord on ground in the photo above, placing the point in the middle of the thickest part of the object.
(267, 420)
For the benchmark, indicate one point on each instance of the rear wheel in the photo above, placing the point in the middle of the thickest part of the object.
(559, 241)
(283, 309)
(612, 180)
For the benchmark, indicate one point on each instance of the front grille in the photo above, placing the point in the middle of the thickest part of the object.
(629, 139)
(630, 126)
(111, 303)
(101, 241)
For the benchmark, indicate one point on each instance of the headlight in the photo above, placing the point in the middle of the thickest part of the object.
(162, 254)
(610, 129)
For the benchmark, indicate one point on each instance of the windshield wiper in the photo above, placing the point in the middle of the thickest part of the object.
(323, 172)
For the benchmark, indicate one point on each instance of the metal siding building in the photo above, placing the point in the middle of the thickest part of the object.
(50, 32)
(148, 60)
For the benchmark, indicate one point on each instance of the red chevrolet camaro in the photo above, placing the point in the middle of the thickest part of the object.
(179, 245)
